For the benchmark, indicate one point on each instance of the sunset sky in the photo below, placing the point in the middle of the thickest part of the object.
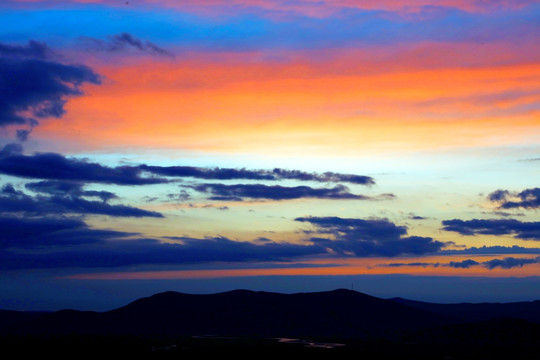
(388, 146)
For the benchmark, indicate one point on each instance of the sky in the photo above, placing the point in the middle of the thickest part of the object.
(390, 147)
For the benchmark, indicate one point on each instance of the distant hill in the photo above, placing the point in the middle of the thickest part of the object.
(339, 313)
(342, 314)
(472, 312)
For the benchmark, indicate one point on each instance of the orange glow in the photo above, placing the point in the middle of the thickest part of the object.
(355, 266)
(230, 105)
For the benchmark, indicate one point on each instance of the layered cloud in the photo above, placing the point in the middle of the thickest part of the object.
(518, 229)
(371, 237)
(64, 198)
(246, 174)
(49, 233)
(53, 166)
(53, 242)
(239, 192)
(505, 263)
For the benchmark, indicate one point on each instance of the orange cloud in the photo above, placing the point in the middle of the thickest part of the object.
(350, 102)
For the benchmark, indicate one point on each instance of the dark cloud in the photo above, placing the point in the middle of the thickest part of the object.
(465, 264)
(50, 233)
(65, 188)
(123, 42)
(54, 166)
(35, 86)
(11, 150)
(509, 262)
(238, 192)
(64, 198)
(498, 195)
(506, 263)
(487, 250)
(34, 49)
(275, 174)
(529, 199)
(372, 237)
(104, 248)
(421, 264)
(518, 229)
(503, 213)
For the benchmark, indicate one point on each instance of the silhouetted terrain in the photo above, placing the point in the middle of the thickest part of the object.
(171, 322)
(339, 313)
(469, 312)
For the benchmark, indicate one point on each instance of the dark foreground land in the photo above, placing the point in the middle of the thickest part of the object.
(338, 324)
(189, 347)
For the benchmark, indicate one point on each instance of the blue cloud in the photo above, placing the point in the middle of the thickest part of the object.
(372, 237)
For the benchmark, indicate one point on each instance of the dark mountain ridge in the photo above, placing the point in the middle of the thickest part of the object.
(332, 314)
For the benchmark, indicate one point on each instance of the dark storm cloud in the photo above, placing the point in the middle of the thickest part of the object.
(236, 174)
(527, 199)
(518, 229)
(64, 199)
(238, 192)
(33, 85)
(125, 41)
(54, 166)
(372, 237)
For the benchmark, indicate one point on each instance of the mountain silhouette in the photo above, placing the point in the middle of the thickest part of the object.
(477, 312)
(338, 313)
(343, 314)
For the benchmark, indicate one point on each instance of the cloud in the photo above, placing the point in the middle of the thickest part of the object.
(421, 264)
(34, 50)
(42, 244)
(528, 199)
(50, 233)
(520, 230)
(465, 264)
(65, 199)
(498, 195)
(63, 188)
(373, 237)
(239, 192)
(509, 262)
(275, 174)
(487, 250)
(34, 86)
(123, 42)
(506, 263)
(54, 166)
